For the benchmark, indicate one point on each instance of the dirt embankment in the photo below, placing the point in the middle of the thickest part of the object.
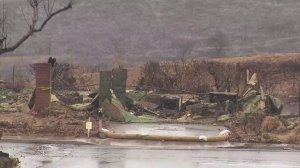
(265, 129)
(60, 122)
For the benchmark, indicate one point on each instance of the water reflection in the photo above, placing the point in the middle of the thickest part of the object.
(92, 156)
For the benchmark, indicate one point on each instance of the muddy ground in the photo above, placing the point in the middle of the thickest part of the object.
(73, 125)
(61, 121)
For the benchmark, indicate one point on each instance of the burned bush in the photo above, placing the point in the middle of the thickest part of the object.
(220, 75)
(63, 76)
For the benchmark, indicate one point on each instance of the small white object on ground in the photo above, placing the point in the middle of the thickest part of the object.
(105, 130)
(203, 137)
(225, 133)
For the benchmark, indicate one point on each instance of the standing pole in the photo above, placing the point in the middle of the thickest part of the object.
(13, 75)
(88, 126)
(89, 129)
(299, 97)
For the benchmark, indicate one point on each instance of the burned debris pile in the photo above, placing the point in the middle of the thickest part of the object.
(12, 101)
(8, 162)
(117, 103)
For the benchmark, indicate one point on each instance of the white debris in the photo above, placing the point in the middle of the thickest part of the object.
(105, 130)
(225, 133)
(203, 137)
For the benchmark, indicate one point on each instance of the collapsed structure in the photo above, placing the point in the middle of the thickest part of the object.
(121, 105)
(113, 101)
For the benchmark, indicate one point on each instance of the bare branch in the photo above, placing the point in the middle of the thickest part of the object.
(32, 27)
(3, 27)
(52, 6)
(45, 8)
(48, 8)
(69, 6)
(24, 16)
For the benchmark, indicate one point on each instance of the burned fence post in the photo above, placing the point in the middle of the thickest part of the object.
(13, 76)
(114, 80)
(105, 86)
(299, 97)
(119, 78)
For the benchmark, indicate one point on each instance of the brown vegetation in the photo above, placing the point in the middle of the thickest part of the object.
(272, 124)
(274, 72)
(8, 162)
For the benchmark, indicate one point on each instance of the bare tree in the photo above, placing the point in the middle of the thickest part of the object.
(34, 26)
(293, 68)
(183, 46)
(226, 76)
(299, 97)
(151, 75)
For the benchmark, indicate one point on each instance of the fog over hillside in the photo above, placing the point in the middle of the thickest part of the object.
(138, 30)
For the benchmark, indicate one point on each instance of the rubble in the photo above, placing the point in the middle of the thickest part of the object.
(69, 97)
(223, 118)
(8, 162)
(161, 105)
(12, 101)
(115, 111)
(255, 100)
(203, 109)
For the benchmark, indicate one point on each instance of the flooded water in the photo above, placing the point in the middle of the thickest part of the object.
(109, 153)
(99, 156)
(167, 129)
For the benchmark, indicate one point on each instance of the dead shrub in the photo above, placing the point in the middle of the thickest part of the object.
(290, 138)
(293, 137)
(252, 122)
(62, 76)
(227, 76)
(272, 124)
(220, 74)
(271, 138)
(16, 86)
(176, 77)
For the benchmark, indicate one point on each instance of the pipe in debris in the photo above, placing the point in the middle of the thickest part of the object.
(202, 138)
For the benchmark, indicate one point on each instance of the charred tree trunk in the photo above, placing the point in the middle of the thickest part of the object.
(299, 97)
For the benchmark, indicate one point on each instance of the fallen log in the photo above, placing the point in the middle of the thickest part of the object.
(202, 138)
(149, 111)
